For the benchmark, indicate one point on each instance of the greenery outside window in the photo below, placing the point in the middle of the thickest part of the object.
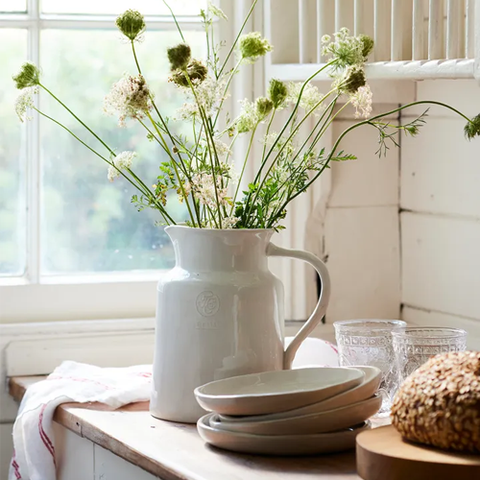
(61, 222)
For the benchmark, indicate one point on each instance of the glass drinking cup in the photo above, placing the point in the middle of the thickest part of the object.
(413, 346)
(369, 342)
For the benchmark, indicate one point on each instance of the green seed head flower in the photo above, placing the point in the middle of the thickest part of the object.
(354, 79)
(277, 92)
(197, 72)
(29, 76)
(263, 107)
(368, 45)
(131, 24)
(472, 128)
(345, 50)
(179, 56)
(252, 46)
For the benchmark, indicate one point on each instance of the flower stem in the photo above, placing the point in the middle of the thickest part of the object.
(366, 122)
(234, 44)
(294, 111)
(163, 142)
(209, 136)
(226, 90)
(327, 111)
(267, 132)
(167, 131)
(78, 119)
(180, 182)
(243, 168)
(175, 20)
(145, 191)
(135, 57)
(272, 164)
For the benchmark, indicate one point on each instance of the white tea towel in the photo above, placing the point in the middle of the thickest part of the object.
(34, 445)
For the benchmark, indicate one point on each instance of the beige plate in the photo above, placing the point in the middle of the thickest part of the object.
(280, 444)
(329, 421)
(276, 391)
(365, 390)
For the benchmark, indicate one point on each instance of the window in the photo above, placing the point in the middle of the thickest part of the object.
(63, 226)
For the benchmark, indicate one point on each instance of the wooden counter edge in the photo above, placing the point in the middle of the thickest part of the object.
(66, 418)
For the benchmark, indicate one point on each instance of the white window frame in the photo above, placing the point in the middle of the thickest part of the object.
(31, 297)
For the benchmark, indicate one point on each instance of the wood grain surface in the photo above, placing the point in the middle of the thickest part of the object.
(174, 451)
(382, 454)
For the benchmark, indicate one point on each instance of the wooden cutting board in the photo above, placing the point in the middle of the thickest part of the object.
(382, 454)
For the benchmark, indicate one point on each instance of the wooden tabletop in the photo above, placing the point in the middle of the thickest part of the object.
(174, 451)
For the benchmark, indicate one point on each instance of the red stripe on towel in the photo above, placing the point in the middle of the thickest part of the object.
(43, 435)
(16, 467)
(333, 347)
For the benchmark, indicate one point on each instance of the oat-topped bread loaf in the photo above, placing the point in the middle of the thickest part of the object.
(439, 404)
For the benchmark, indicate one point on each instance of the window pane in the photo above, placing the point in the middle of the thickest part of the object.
(88, 223)
(13, 48)
(147, 7)
(13, 5)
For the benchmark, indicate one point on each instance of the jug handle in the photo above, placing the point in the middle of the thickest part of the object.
(320, 308)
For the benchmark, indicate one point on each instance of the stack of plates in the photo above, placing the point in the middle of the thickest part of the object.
(290, 412)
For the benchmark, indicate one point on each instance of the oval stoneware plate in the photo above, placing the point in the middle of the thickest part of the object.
(365, 390)
(280, 444)
(276, 391)
(323, 422)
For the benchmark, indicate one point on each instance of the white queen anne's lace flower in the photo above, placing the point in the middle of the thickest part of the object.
(227, 223)
(362, 101)
(129, 98)
(248, 119)
(346, 50)
(204, 189)
(311, 98)
(221, 148)
(216, 11)
(121, 161)
(210, 93)
(24, 102)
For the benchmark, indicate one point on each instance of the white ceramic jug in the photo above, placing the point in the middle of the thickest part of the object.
(220, 313)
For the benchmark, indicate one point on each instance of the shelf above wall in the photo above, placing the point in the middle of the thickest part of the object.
(414, 39)
(401, 70)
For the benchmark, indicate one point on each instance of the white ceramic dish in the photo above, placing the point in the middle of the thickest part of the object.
(367, 389)
(276, 391)
(280, 444)
(324, 422)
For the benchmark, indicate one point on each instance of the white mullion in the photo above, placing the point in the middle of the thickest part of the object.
(33, 157)
(15, 23)
(67, 22)
(14, 20)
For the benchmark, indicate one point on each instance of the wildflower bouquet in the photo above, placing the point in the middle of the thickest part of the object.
(200, 169)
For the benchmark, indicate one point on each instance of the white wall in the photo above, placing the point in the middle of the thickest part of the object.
(440, 221)
(362, 227)
(359, 234)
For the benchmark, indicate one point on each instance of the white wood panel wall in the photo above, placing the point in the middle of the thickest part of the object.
(440, 195)
(352, 223)
(359, 236)
(362, 236)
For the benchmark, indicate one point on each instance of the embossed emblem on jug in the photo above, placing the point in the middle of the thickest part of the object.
(207, 304)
